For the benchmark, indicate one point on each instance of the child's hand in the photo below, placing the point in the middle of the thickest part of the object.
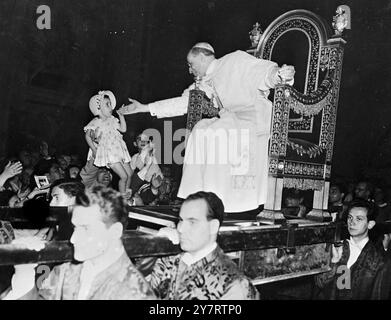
(121, 111)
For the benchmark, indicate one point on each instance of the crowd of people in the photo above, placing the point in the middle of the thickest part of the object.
(30, 175)
(103, 270)
(193, 273)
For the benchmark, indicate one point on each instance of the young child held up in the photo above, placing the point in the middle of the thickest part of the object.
(103, 135)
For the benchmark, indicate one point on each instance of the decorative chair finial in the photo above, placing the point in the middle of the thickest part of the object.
(255, 35)
(341, 20)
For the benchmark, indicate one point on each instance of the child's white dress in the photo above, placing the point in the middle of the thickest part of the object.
(111, 148)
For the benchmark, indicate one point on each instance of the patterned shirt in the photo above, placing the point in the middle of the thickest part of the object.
(214, 277)
(120, 281)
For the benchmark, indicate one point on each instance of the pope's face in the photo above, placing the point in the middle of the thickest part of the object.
(196, 63)
(91, 237)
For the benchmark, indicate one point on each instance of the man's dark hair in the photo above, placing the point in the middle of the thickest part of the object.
(196, 51)
(71, 187)
(213, 202)
(112, 205)
(359, 203)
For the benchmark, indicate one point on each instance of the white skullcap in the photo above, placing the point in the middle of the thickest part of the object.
(96, 100)
(204, 45)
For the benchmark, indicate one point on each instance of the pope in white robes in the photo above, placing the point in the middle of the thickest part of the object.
(226, 155)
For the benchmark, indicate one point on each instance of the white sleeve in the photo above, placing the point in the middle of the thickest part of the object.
(171, 107)
(92, 125)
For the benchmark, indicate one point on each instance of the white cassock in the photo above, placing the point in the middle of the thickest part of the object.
(229, 155)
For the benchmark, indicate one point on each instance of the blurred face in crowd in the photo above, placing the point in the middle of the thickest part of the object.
(44, 149)
(361, 191)
(335, 195)
(358, 224)
(195, 230)
(292, 201)
(92, 237)
(63, 163)
(104, 177)
(55, 173)
(379, 196)
(142, 142)
(60, 198)
(25, 158)
(73, 172)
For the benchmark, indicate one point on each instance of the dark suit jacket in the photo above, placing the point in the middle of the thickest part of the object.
(364, 275)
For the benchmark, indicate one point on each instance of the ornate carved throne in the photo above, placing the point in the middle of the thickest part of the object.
(304, 115)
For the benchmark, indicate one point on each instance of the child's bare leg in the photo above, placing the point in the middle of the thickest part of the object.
(121, 173)
(129, 172)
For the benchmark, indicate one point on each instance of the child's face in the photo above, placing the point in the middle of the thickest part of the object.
(142, 143)
(106, 107)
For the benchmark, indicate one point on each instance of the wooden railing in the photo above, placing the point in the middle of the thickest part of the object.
(141, 244)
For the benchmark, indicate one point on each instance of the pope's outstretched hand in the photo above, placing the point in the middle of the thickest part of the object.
(286, 73)
(133, 107)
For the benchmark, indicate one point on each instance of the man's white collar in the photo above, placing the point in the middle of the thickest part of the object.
(189, 258)
(360, 244)
(95, 269)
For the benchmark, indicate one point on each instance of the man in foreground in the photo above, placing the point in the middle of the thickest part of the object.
(357, 264)
(203, 271)
(106, 272)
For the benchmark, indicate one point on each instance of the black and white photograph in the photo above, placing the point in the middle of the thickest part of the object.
(189, 150)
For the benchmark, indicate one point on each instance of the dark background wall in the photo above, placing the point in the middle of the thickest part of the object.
(137, 48)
